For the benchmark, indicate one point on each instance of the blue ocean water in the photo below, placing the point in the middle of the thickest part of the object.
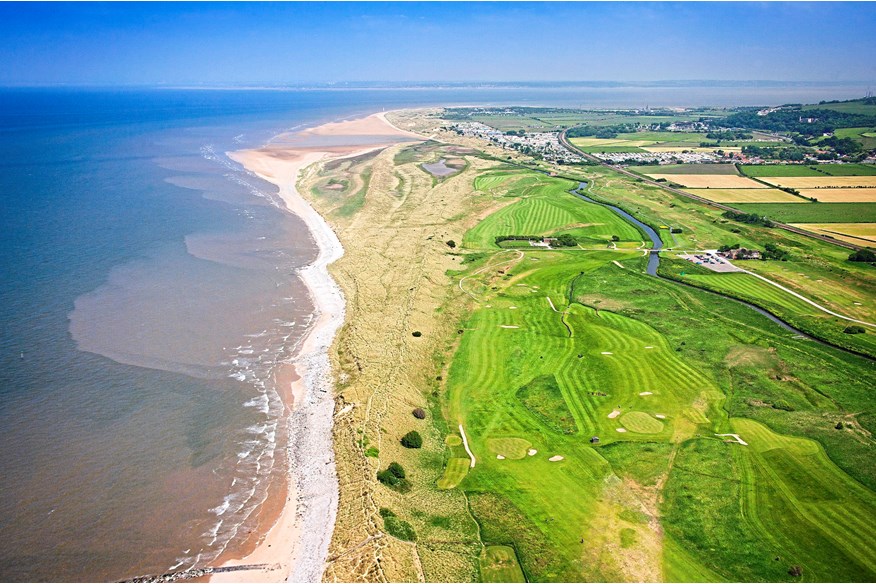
(148, 292)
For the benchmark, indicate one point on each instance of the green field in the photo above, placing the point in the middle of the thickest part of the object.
(543, 207)
(808, 170)
(813, 212)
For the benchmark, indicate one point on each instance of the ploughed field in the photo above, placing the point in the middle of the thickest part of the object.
(564, 346)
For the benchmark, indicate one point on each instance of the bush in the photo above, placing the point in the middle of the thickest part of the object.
(839, 426)
(417, 334)
(854, 330)
(384, 512)
(399, 528)
(372, 452)
(419, 413)
(863, 255)
(412, 440)
(783, 405)
(795, 571)
(676, 230)
(451, 244)
(396, 469)
(615, 238)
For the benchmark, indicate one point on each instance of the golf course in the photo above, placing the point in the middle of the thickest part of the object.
(582, 419)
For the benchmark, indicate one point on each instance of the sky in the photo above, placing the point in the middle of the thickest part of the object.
(209, 43)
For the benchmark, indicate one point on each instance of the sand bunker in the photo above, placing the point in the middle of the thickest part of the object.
(660, 416)
(556, 458)
(532, 452)
(513, 307)
(649, 347)
(621, 429)
(614, 414)
(607, 353)
(737, 439)
(500, 457)
(508, 326)
(645, 393)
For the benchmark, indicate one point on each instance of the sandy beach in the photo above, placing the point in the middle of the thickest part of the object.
(296, 544)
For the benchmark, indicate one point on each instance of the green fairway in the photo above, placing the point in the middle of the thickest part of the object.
(499, 564)
(454, 472)
(543, 207)
(813, 212)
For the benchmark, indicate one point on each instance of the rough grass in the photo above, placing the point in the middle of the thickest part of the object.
(499, 564)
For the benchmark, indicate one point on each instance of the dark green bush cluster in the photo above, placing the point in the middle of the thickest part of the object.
(854, 330)
(774, 252)
(749, 218)
(412, 440)
(394, 477)
(863, 255)
(417, 334)
(566, 240)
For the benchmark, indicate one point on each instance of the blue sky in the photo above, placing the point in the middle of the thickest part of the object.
(255, 43)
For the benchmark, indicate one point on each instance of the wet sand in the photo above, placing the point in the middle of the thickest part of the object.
(297, 519)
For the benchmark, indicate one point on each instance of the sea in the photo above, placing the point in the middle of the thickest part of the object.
(149, 292)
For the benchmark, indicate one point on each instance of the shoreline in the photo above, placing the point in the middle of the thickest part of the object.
(294, 546)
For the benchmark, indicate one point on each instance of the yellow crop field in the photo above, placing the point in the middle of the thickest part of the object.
(813, 182)
(746, 195)
(714, 181)
(860, 233)
(866, 195)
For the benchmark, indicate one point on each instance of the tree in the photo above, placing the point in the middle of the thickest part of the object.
(863, 255)
(412, 440)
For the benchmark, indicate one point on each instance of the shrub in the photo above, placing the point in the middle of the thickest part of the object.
(451, 244)
(615, 238)
(676, 230)
(399, 528)
(795, 571)
(863, 255)
(839, 426)
(854, 330)
(783, 405)
(417, 334)
(396, 469)
(419, 413)
(412, 440)
(384, 512)
(372, 452)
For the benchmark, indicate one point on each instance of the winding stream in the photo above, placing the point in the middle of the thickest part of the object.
(654, 263)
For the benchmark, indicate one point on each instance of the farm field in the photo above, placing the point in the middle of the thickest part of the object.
(816, 182)
(686, 169)
(714, 181)
(852, 195)
(858, 233)
(813, 212)
(746, 195)
(817, 170)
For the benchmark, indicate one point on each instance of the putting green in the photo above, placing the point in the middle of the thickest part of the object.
(514, 448)
(454, 472)
(453, 440)
(641, 423)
